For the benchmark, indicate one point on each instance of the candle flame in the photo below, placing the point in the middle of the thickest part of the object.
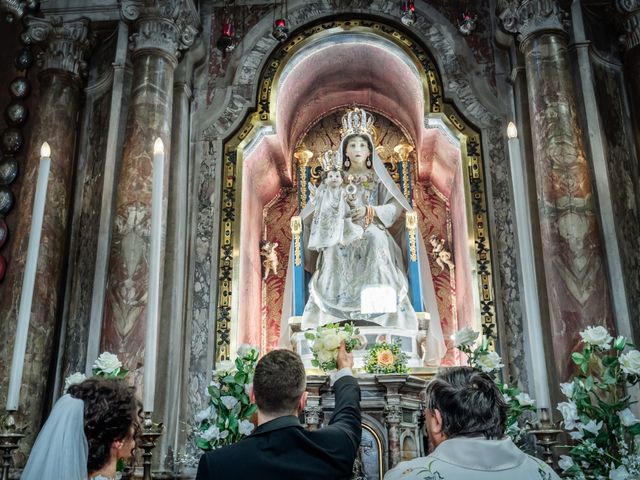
(45, 150)
(512, 131)
(158, 146)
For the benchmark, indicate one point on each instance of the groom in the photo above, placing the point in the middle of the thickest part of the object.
(280, 448)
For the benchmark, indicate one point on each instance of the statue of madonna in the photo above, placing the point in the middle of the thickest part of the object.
(363, 278)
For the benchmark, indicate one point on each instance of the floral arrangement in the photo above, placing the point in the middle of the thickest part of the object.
(488, 361)
(107, 365)
(326, 343)
(597, 415)
(227, 418)
(386, 357)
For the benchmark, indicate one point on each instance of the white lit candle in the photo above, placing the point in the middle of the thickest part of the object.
(28, 281)
(153, 306)
(530, 297)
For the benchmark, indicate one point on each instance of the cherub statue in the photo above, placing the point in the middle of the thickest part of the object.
(269, 256)
(441, 256)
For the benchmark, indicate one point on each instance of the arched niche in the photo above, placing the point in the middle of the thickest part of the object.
(324, 68)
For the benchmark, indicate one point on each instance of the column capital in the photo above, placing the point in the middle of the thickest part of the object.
(167, 26)
(531, 17)
(65, 45)
(630, 10)
(393, 414)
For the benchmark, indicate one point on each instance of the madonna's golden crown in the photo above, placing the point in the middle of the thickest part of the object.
(356, 121)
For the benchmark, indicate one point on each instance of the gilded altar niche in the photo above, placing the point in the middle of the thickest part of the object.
(303, 94)
(436, 217)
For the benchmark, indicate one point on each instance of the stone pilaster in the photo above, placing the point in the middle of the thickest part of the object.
(161, 32)
(575, 273)
(65, 46)
(392, 418)
(630, 9)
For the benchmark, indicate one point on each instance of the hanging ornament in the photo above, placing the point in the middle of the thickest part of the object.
(8, 170)
(16, 113)
(6, 200)
(467, 23)
(19, 87)
(24, 60)
(226, 42)
(12, 141)
(408, 12)
(280, 30)
(4, 232)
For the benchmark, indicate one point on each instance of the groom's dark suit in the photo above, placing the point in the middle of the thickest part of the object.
(281, 449)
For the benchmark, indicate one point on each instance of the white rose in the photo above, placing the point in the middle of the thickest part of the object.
(578, 434)
(212, 433)
(619, 473)
(247, 388)
(464, 337)
(630, 362)
(331, 340)
(245, 427)
(489, 362)
(224, 434)
(74, 379)
(627, 418)
(224, 367)
(506, 397)
(569, 413)
(325, 356)
(597, 336)
(593, 427)
(204, 414)
(318, 345)
(107, 362)
(245, 350)
(567, 389)
(565, 462)
(229, 401)
(525, 400)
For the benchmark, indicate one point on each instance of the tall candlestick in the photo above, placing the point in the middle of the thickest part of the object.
(530, 297)
(153, 307)
(31, 266)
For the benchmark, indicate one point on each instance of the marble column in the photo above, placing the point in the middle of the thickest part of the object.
(160, 33)
(65, 47)
(575, 273)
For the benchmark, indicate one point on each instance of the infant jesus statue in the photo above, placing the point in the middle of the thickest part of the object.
(332, 224)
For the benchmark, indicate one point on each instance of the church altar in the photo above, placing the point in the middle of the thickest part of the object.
(391, 419)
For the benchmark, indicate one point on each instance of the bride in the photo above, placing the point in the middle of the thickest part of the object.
(365, 280)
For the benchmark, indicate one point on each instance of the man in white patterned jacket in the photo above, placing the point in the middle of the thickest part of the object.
(465, 419)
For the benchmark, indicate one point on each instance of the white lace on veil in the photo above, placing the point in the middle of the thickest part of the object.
(61, 450)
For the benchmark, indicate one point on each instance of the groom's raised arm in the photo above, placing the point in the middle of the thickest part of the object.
(346, 414)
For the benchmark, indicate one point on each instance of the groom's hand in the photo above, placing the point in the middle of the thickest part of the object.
(345, 359)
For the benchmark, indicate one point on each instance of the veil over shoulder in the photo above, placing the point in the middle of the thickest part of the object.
(61, 450)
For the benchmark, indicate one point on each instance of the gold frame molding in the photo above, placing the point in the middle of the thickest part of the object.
(435, 106)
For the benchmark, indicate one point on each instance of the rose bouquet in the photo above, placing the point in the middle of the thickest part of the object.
(227, 418)
(488, 361)
(604, 430)
(107, 365)
(386, 357)
(326, 342)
